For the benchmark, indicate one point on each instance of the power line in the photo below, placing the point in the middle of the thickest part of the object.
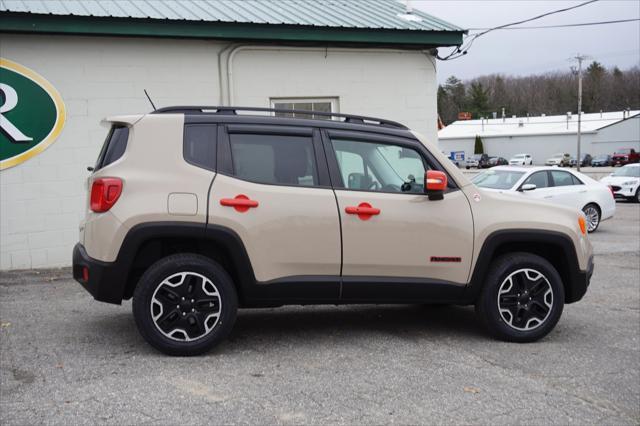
(462, 50)
(582, 24)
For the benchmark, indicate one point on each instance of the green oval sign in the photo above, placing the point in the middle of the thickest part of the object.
(32, 113)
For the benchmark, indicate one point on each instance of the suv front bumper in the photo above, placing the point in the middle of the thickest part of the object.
(581, 284)
(105, 280)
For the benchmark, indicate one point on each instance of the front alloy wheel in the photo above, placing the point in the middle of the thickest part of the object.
(522, 297)
(525, 299)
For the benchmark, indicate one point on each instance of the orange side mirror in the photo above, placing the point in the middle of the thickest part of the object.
(435, 183)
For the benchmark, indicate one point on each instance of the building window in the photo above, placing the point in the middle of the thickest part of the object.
(306, 104)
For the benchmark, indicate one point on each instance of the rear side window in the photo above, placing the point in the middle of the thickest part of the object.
(274, 159)
(113, 146)
(200, 145)
(563, 179)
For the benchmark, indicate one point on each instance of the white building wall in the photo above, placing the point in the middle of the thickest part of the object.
(43, 199)
(540, 147)
(624, 134)
(397, 85)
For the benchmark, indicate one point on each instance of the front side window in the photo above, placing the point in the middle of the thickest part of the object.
(274, 159)
(539, 179)
(368, 166)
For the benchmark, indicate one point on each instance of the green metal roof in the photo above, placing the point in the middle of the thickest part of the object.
(340, 21)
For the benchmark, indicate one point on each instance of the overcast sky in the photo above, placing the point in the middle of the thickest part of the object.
(523, 52)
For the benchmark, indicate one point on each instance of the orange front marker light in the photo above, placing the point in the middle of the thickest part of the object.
(583, 225)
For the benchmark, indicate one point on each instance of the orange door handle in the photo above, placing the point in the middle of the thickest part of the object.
(364, 211)
(241, 203)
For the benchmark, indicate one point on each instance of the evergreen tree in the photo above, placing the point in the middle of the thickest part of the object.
(478, 100)
(478, 148)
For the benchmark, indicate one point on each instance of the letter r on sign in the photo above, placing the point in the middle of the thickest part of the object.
(10, 102)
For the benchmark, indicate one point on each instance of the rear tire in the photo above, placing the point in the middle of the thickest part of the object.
(522, 298)
(636, 199)
(593, 214)
(185, 304)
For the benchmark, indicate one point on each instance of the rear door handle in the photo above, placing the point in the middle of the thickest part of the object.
(364, 211)
(240, 202)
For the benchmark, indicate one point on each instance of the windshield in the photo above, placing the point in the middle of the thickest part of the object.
(623, 151)
(497, 179)
(520, 156)
(557, 155)
(602, 157)
(633, 171)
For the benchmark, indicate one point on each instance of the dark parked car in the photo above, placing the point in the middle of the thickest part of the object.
(480, 161)
(602, 161)
(586, 161)
(625, 156)
(498, 161)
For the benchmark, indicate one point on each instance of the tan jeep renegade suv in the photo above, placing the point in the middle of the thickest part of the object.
(197, 211)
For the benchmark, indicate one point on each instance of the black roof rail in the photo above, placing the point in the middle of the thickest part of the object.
(228, 110)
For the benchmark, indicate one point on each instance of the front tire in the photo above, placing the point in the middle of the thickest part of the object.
(522, 299)
(185, 304)
(592, 212)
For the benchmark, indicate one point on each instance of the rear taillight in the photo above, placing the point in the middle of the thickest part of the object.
(104, 193)
(612, 193)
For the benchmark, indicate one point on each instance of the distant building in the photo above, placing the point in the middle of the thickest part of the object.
(602, 133)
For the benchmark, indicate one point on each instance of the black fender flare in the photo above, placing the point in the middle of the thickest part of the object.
(575, 280)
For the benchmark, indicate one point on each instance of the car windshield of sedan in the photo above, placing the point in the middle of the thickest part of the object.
(602, 158)
(497, 179)
(633, 171)
(520, 156)
(623, 151)
(559, 155)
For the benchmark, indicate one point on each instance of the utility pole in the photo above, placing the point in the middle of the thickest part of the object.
(579, 58)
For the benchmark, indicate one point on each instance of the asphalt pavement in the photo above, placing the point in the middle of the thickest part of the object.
(66, 359)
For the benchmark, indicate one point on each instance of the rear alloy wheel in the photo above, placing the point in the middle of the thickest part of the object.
(522, 299)
(185, 304)
(637, 198)
(592, 213)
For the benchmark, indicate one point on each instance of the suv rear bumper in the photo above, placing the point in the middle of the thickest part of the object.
(105, 279)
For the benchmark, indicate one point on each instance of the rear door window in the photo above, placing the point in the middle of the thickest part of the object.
(113, 147)
(274, 159)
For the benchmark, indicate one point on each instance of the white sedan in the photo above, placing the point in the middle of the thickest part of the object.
(625, 182)
(521, 160)
(565, 187)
